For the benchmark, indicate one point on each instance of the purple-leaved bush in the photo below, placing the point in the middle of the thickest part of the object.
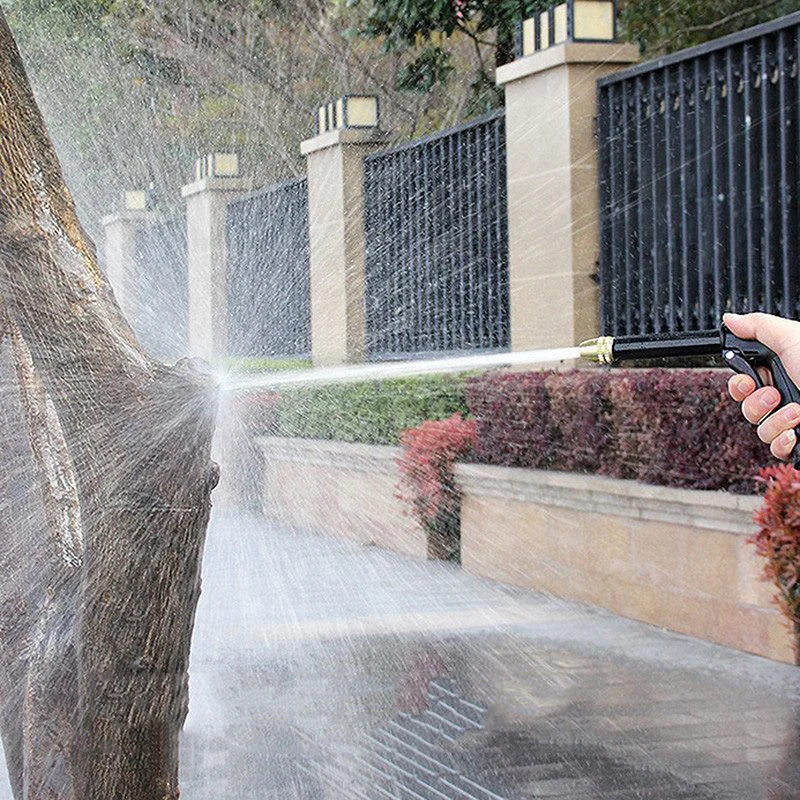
(662, 426)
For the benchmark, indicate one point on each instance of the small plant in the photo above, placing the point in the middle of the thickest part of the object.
(427, 479)
(778, 540)
(257, 411)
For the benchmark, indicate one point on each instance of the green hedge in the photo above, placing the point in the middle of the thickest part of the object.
(246, 366)
(374, 412)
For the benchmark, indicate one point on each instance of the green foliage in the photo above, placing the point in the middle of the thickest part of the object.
(402, 23)
(422, 30)
(240, 366)
(664, 26)
(374, 412)
(430, 67)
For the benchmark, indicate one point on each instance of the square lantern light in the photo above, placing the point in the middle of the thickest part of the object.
(350, 111)
(217, 165)
(594, 21)
(573, 21)
(135, 200)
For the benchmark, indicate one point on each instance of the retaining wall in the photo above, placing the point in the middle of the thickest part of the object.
(338, 488)
(675, 558)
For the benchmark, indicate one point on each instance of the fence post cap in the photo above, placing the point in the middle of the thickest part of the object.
(215, 184)
(568, 53)
(129, 216)
(336, 137)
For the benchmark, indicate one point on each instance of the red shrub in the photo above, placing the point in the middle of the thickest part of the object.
(580, 413)
(778, 538)
(680, 428)
(662, 426)
(427, 483)
(257, 411)
(512, 416)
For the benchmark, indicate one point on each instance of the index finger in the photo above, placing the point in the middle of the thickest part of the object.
(741, 387)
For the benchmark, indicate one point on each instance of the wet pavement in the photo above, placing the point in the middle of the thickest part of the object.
(326, 669)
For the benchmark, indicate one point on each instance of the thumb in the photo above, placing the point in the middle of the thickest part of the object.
(777, 333)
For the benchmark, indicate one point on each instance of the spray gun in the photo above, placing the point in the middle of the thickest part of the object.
(741, 355)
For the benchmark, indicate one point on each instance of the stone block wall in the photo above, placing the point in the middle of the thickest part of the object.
(670, 557)
(339, 489)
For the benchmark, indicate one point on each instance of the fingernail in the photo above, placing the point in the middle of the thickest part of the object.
(769, 397)
(741, 383)
(787, 439)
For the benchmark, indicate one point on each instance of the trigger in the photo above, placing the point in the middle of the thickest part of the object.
(738, 363)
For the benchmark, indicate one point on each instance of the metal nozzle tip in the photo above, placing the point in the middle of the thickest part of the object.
(600, 349)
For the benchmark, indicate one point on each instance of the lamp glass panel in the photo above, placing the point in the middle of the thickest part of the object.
(594, 19)
(544, 30)
(362, 112)
(226, 165)
(528, 36)
(198, 169)
(321, 120)
(340, 120)
(136, 200)
(560, 24)
(329, 118)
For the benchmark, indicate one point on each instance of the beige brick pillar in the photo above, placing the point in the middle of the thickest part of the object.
(553, 190)
(336, 229)
(206, 227)
(120, 251)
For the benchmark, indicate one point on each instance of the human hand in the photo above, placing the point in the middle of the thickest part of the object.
(783, 337)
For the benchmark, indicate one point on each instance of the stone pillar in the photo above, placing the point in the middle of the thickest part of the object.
(206, 226)
(120, 248)
(553, 190)
(336, 229)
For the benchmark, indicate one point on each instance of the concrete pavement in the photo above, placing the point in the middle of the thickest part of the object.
(326, 669)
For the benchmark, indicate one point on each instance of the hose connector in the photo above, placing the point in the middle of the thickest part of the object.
(600, 349)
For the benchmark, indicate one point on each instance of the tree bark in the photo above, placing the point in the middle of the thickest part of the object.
(95, 634)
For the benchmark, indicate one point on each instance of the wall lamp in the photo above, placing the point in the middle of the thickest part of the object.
(217, 165)
(573, 21)
(350, 111)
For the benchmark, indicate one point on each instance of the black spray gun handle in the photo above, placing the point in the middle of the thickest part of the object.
(746, 357)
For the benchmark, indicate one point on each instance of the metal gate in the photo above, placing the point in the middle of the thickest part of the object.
(437, 243)
(699, 166)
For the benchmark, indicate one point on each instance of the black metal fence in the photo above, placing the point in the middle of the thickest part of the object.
(161, 302)
(269, 312)
(437, 243)
(700, 173)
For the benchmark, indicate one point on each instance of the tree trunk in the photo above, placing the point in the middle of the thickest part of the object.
(101, 583)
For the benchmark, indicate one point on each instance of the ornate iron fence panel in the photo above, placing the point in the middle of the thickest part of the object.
(269, 311)
(161, 301)
(437, 243)
(699, 181)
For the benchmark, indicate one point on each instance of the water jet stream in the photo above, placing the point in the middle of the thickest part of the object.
(402, 369)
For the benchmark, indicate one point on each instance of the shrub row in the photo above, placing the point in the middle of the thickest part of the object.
(369, 412)
(670, 427)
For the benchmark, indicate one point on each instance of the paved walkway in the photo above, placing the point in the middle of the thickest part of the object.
(325, 669)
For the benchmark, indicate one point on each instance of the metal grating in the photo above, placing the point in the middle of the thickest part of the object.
(699, 171)
(436, 225)
(268, 309)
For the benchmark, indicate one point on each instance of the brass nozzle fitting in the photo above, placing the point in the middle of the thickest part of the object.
(600, 349)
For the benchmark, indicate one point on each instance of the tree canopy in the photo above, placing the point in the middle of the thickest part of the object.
(135, 89)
